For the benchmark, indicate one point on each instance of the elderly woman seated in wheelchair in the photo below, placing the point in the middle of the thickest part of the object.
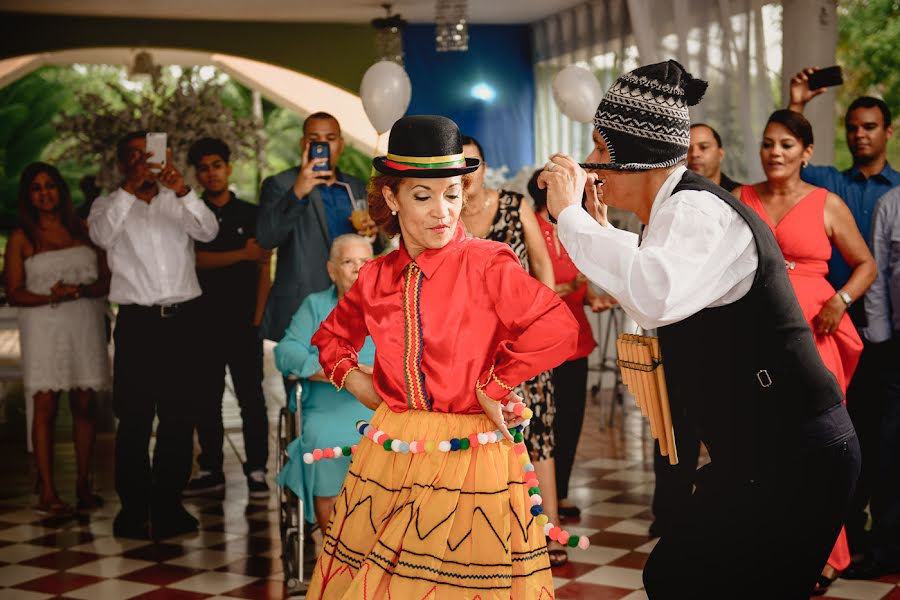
(327, 415)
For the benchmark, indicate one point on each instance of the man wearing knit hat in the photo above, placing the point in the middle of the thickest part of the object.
(741, 363)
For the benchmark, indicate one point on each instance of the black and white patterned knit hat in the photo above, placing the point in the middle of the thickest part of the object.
(644, 117)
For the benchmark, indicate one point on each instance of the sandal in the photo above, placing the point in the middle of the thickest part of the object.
(558, 556)
(822, 584)
(53, 508)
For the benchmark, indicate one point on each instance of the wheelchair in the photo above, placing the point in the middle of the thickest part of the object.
(294, 530)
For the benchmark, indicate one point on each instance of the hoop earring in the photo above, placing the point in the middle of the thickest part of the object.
(393, 213)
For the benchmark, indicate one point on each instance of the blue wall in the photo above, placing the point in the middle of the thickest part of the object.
(499, 56)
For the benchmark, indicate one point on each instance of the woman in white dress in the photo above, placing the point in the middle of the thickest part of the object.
(59, 281)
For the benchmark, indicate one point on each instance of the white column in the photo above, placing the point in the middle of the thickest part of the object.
(810, 40)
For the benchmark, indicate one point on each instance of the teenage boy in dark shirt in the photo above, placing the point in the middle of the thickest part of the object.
(234, 274)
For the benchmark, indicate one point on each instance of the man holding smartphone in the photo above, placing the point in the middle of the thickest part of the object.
(148, 231)
(301, 210)
(868, 127)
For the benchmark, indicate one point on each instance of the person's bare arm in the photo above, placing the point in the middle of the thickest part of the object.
(538, 255)
(844, 234)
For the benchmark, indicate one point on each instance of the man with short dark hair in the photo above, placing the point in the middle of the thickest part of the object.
(148, 232)
(301, 210)
(705, 155)
(868, 126)
(234, 274)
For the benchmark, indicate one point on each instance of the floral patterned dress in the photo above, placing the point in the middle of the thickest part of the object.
(537, 392)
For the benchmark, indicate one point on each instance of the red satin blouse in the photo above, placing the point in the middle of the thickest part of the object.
(463, 316)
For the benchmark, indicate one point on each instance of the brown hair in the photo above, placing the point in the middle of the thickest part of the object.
(28, 214)
(795, 123)
(379, 209)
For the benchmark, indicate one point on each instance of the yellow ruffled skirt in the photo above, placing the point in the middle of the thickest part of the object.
(443, 525)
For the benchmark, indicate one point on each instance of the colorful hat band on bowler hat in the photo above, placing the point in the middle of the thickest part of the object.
(415, 163)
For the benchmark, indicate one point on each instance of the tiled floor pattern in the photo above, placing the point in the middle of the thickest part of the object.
(236, 554)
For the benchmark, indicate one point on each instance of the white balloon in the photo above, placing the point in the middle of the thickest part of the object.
(385, 91)
(577, 93)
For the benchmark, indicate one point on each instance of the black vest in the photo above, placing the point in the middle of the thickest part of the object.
(747, 374)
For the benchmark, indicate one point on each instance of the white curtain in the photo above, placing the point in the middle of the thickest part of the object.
(733, 44)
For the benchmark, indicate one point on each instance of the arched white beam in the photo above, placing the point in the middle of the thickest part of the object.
(284, 87)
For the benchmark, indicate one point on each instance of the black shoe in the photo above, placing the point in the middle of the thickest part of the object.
(256, 485)
(129, 527)
(204, 483)
(173, 522)
(569, 512)
(870, 568)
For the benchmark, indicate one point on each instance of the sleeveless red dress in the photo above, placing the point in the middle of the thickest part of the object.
(807, 249)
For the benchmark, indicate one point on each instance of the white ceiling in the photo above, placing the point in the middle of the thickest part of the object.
(337, 11)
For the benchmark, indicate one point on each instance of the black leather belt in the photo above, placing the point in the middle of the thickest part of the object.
(164, 311)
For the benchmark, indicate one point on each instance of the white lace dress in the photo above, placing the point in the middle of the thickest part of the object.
(63, 346)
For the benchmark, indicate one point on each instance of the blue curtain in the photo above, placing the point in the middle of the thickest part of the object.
(459, 85)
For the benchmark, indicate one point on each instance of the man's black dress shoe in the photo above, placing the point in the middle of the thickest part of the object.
(173, 522)
(128, 526)
(870, 568)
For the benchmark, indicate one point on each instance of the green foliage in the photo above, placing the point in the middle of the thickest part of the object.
(72, 117)
(868, 43)
(26, 109)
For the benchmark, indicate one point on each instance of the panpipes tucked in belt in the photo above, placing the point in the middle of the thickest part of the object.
(642, 371)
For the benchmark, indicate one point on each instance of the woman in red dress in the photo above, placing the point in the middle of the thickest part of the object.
(457, 323)
(806, 221)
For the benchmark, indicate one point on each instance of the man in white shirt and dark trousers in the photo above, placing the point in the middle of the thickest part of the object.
(741, 364)
(148, 232)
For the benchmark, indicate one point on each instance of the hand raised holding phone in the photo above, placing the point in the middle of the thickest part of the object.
(811, 82)
(313, 170)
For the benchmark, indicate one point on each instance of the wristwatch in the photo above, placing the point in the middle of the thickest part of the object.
(848, 300)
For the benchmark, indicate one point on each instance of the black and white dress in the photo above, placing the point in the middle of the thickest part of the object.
(538, 391)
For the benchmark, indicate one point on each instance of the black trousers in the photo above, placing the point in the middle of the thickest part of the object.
(885, 505)
(153, 377)
(675, 483)
(866, 402)
(784, 526)
(226, 342)
(570, 391)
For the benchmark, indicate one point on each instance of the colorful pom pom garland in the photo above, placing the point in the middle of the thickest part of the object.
(473, 441)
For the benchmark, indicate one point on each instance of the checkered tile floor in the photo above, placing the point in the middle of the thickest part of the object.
(237, 552)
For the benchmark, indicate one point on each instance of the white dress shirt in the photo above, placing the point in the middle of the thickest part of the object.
(150, 247)
(696, 252)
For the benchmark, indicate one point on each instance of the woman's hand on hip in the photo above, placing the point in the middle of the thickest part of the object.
(500, 414)
(362, 387)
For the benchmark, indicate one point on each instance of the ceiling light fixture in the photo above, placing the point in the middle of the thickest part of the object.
(389, 36)
(452, 26)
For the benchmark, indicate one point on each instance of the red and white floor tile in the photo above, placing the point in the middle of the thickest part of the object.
(236, 554)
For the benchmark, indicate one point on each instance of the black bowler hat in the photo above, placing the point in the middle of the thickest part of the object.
(425, 146)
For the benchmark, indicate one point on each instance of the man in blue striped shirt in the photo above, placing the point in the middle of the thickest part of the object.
(868, 126)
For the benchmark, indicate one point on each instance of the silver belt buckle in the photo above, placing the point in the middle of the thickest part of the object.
(764, 379)
(167, 310)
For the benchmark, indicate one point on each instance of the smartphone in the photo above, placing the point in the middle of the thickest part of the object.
(827, 77)
(320, 150)
(156, 144)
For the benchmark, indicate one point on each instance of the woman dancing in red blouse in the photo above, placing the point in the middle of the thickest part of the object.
(433, 507)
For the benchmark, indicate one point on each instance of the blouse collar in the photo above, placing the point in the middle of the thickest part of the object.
(430, 259)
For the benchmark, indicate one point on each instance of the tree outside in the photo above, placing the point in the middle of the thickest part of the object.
(73, 116)
(868, 42)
